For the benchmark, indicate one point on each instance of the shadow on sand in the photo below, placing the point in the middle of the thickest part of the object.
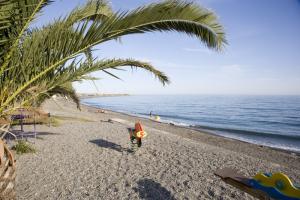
(149, 190)
(29, 134)
(110, 145)
(40, 134)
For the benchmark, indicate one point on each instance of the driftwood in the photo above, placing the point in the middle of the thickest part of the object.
(7, 173)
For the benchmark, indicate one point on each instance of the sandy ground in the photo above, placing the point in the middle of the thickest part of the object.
(87, 157)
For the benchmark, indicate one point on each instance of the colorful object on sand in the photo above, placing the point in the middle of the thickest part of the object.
(262, 186)
(276, 185)
(139, 131)
(154, 117)
(137, 134)
(157, 118)
(141, 134)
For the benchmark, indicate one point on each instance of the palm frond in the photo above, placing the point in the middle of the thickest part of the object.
(97, 10)
(15, 17)
(62, 50)
(67, 90)
(103, 65)
(179, 16)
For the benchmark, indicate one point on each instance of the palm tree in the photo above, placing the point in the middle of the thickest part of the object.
(37, 63)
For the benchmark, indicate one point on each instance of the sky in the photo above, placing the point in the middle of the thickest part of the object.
(261, 58)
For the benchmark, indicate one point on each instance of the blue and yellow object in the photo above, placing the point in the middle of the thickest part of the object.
(277, 186)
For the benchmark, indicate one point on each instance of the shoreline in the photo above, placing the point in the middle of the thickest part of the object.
(199, 130)
(95, 95)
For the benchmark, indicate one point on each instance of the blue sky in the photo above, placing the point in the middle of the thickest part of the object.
(262, 56)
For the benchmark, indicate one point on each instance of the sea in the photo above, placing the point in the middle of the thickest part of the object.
(265, 120)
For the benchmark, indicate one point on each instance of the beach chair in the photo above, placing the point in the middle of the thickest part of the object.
(262, 186)
(29, 116)
(7, 172)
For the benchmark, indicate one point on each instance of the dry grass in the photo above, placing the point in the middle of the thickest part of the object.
(81, 119)
(23, 147)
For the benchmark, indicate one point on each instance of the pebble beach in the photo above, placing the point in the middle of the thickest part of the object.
(89, 156)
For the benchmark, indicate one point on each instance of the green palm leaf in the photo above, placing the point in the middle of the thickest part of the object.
(60, 81)
(48, 51)
(15, 17)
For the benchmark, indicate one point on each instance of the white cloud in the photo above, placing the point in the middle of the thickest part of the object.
(207, 51)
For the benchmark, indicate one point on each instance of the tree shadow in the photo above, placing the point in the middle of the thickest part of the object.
(40, 134)
(47, 133)
(109, 145)
(151, 190)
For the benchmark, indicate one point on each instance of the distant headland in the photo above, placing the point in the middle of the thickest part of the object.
(89, 95)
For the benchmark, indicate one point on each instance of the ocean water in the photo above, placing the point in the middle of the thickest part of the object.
(267, 120)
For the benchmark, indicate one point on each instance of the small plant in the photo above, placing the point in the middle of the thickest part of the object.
(55, 121)
(23, 147)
